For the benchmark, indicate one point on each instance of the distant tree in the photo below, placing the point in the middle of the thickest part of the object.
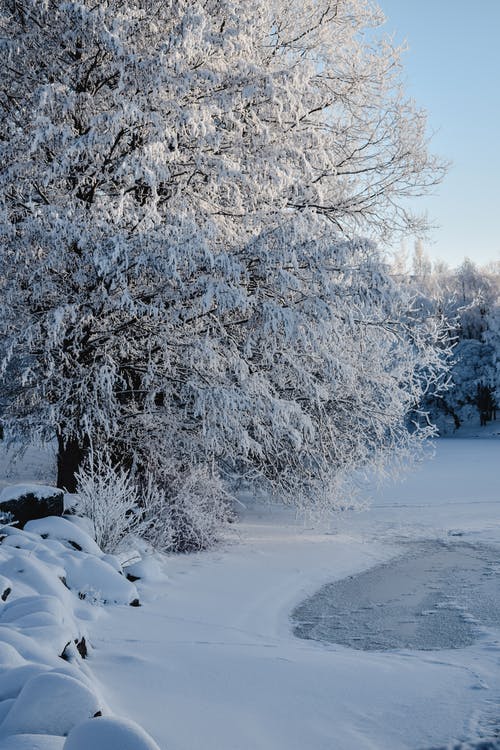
(178, 181)
(475, 294)
(422, 266)
(399, 266)
(468, 298)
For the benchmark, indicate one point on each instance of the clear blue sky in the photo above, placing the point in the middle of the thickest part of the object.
(452, 69)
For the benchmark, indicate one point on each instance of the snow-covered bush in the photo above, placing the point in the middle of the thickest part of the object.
(187, 512)
(189, 515)
(108, 497)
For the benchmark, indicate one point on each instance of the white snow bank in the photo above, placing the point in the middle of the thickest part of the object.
(51, 573)
(64, 530)
(98, 581)
(51, 703)
(108, 733)
(149, 569)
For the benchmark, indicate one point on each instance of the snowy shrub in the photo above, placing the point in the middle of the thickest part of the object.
(190, 515)
(185, 512)
(109, 498)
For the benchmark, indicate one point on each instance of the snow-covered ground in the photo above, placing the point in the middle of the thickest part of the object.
(210, 661)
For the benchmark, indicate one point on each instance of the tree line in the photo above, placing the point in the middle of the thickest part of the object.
(469, 298)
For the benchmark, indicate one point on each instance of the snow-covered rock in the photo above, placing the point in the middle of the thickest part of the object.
(148, 568)
(109, 733)
(51, 703)
(97, 581)
(13, 680)
(51, 574)
(66, 531)
(25, 502)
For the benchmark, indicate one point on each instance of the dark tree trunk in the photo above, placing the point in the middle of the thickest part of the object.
(70, 456)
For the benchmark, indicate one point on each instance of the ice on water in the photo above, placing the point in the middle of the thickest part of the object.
(436, 596)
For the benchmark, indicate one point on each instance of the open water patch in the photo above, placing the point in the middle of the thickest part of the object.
(435, 596)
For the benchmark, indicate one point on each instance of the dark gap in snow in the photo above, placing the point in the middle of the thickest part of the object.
(81, 647)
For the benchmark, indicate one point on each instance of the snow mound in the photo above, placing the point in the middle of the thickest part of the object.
(13, 680)
(5, 707)
(148, 568)
(9, 657)
(62, 529)
(108, 733)
(52, 573)
(98, 581)
(51, 703)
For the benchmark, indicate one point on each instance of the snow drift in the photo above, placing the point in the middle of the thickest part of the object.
(52, 574)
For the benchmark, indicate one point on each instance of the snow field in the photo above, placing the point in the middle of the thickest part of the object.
(211, 662)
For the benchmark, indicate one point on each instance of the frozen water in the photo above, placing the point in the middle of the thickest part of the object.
(435, 596)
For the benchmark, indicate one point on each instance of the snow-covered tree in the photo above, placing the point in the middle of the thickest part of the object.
(467, 297)
(178, 182)
(422, 266)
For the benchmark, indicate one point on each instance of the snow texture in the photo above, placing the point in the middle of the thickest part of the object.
(51, 575)
(215, 641)
(51, 703)
(109, 733)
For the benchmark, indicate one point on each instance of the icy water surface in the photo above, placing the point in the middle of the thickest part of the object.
(435, 596)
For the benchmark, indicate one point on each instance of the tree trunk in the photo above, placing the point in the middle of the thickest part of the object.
(70, 456)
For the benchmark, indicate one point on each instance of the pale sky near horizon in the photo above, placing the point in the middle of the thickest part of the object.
(452, 69)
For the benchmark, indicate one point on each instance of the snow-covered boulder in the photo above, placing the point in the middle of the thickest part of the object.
(109, 733)
(25, 502)
(148, 567)
(51, 574)
(51, 703)
(9, 657)
(98, 581)
(65, 531)
(13, 680)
